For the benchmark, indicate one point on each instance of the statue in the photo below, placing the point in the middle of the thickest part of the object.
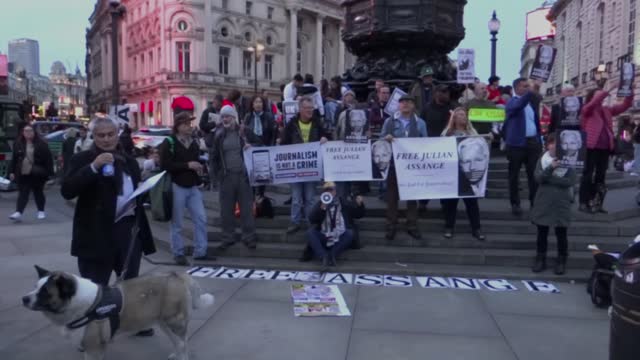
(394, 40)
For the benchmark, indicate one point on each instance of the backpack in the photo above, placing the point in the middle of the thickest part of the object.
(161, 195)
(599, 284)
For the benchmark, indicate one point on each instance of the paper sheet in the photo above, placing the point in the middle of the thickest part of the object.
(142, 188)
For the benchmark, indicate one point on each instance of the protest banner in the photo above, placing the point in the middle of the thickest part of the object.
(394, 101)
(570, 108)
(466, 66)
(347, 162)
(290, 109)
(572, 148)
(543, 63)
(284, 164)
(627, 76)
(487, 115)
(441, 168)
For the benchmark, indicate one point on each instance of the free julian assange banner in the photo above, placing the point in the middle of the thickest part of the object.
(441, 168)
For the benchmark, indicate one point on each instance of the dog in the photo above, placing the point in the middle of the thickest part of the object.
(92, 314)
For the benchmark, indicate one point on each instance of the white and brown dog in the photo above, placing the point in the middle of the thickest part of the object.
(92, 315)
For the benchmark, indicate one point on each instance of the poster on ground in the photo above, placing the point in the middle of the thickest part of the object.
(545, 57)
(466, 66)
(284, 164)
(345, 161)
(571, 149)
(318, 300)
(441, 168)
(627, 76)
(394, 102)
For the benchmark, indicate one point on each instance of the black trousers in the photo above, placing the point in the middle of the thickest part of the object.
(450, 207)
(527, 156)
(99, 270)
(561, 236)
(597, 164)
(26, 184)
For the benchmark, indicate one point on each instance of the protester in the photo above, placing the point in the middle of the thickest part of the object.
(422, 90)
(312, 91)
(30, 167)
(552, 206)
(522, 137)
(179, 156)
(373, 95)
(262, 124)
(459, 125)
(332, 225)
(403, 124)
(228, 147)
(235, 100)
(481, 100)
(84, 141)
(556, 124)
(597, 123)
(635, 169)
(377, 116)
(438, 112)
(151, 165)
(495, 94)
(290, 92)
(126, 141)
(303, 128)
(68, 147)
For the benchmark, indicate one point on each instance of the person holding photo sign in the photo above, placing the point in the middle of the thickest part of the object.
(597, 123)
(303, 128)
(403, 124)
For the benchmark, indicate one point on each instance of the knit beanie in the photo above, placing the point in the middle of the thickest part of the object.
(230, 111)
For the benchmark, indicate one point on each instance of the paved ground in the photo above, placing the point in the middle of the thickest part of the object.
(254, 320)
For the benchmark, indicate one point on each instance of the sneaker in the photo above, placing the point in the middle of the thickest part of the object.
(294, 228)
(478, 235)
(181, 260)
(516, 210)
(16, 216)
(634, 174)
(145, 333)
(415, 234)
(42, 215)
(448, 233)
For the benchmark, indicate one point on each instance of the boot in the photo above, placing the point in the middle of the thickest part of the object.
(541, 263)
(561, 265)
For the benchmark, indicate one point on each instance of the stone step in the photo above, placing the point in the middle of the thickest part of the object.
(384, 268)
(612, 183)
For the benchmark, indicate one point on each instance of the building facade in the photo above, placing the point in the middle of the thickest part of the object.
(593, 34)
(201, 48)
(70, 90)
(25, 53)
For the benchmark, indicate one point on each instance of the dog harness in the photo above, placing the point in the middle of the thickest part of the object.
(107, 305)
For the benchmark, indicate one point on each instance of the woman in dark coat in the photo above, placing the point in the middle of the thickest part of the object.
(103, 221)
(30, 167)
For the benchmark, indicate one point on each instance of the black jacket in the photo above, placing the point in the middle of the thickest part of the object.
(42, 158)
(350, 212)
(204, 124)
(68, 149)
(127, 142)
(269, 127)
(437, 118)
(246, 137)
(175, 158)
(293, 135)
(96, 206)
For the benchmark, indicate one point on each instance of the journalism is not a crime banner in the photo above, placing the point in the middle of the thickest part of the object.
(441, 168)
(284, 164)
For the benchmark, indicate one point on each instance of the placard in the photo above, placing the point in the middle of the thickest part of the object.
(571, 148)
(347, 161)
(441, 168)
(289, 109)
(543, 64)
(466, 66)
(627, 76)
(570, 108)
(394, 101)
(487, 115)
(284, 164)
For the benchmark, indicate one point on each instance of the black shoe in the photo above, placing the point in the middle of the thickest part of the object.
(251, 244)
(540, 264)
(584, 208)
(516, 210)
(307, 254)
(181, 260)
(332, 260)
(391, 234)
(145, 333)
(294, 228)
(478, 235)
(288, 202)
(414, 234)
(326, 262)
(448, 233)
(204, 258)
(561, 265)
(600, 210)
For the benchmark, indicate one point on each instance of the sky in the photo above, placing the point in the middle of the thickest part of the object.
(59, 26)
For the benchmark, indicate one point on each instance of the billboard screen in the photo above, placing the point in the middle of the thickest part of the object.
(538, 26)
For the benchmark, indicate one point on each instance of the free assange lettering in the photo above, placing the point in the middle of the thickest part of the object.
(425, 156)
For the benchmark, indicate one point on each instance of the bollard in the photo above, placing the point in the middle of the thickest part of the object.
(625, 312)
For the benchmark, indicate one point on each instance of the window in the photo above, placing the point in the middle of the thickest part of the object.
(632, 26)
(248, 8)
(158, 57)
(269, 13)
(247, 61)
(579, 47)
(247, 36)
(300, 23)
(269, 40)
(223, 60)
(299, 57)
(224, 31)
(151, 64)
(182, 26)
(143, 70)
(268, 67)
(324, 60)
(135, 67)
(225, 4)
(184, 56)
(601, 34)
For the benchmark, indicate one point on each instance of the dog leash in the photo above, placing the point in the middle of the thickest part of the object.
(135, 230)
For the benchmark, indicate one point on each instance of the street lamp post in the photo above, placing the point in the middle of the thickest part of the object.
(117, 11)
(256, 50)
(494, 27)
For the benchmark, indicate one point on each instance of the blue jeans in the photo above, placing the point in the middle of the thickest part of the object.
(190, 198)
(302, 197)
(318, 241)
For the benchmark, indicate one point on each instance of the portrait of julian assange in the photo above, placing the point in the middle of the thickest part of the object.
(473, 162)
(571, 152)
(381, 154)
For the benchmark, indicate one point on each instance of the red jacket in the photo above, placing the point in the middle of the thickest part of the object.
(495, 96)
(597, 118)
